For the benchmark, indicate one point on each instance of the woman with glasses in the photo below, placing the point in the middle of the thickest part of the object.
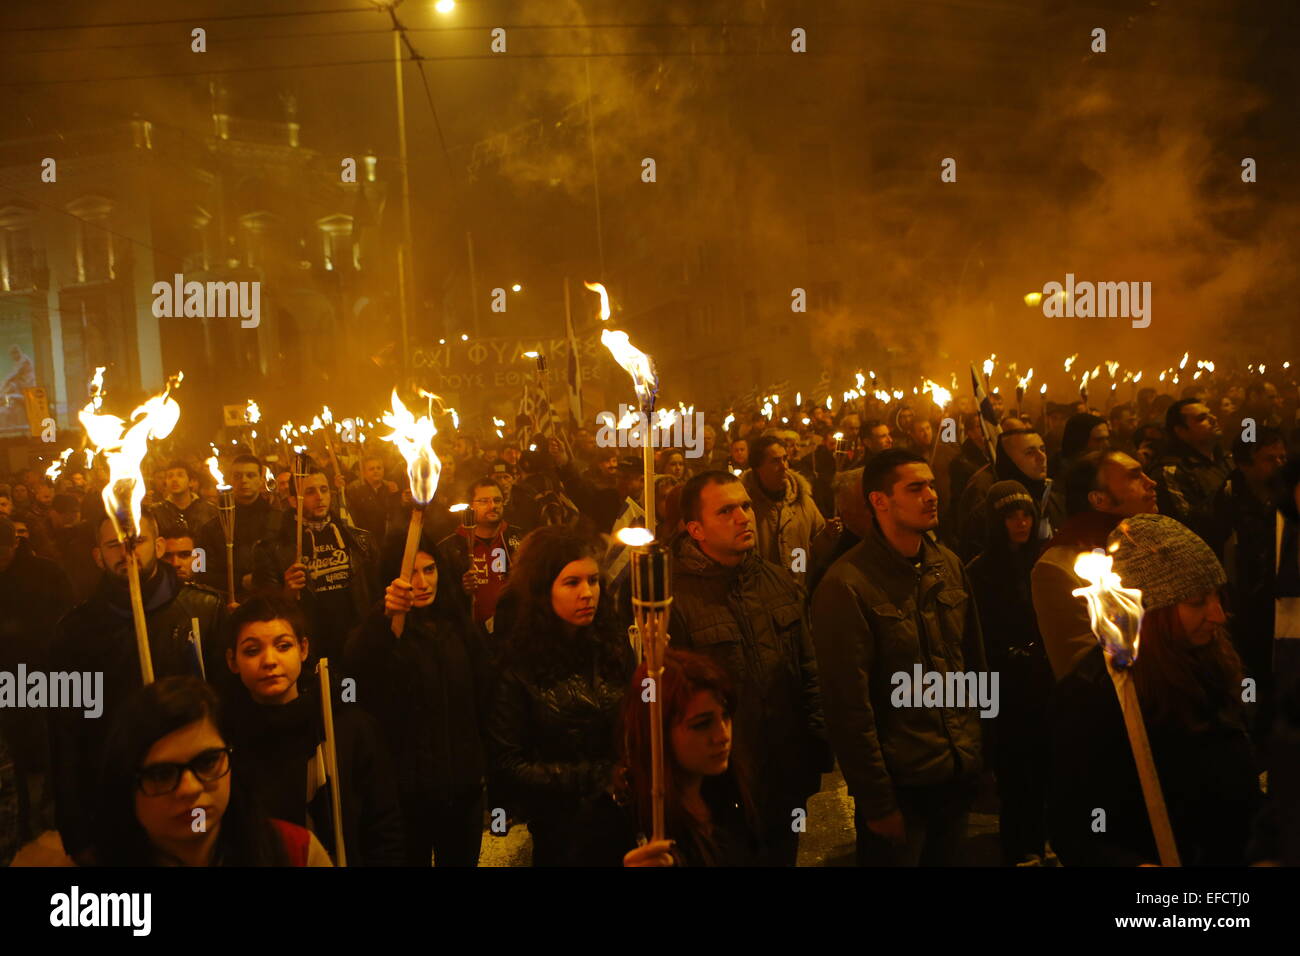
(169, 795)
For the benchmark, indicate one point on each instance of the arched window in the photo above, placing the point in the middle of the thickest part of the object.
(96, 255)
(18, 256)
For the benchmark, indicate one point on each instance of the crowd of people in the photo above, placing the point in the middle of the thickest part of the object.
(815, 558)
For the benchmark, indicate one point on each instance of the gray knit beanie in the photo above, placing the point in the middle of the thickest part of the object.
(1164, 560)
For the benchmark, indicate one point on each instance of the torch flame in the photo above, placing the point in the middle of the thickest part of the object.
(599, 289)
(1114, 610)
(124, 447)
(252, 414)
(414, 439)
(940, 395)
(726, 422)
(635, 537)
(636, 363)
(1071, 360)
(214, 469)
(456, 508)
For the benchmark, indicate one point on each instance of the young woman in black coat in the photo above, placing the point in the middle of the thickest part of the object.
(428, 690)
(276, 728)
(564, 672)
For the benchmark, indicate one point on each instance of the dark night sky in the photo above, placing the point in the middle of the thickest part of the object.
(1122, 165)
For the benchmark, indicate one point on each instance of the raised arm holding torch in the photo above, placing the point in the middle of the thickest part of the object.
(414, 439)
(124, 449)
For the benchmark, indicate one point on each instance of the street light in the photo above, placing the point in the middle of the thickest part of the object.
(516, 287)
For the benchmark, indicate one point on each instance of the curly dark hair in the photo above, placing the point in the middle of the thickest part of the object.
(537, 643)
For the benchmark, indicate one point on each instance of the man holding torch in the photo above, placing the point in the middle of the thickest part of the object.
(254, 519)
(336, 577)
(99, 636)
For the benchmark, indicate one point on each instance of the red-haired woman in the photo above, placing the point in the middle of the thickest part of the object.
(1189, 684)
(708, 816)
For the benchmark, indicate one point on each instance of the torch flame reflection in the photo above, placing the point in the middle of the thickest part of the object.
(1114, 610)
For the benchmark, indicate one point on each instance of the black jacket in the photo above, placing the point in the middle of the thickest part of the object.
(552, 744)
(1209, 780)
(875, 614)
(271, 747)
(99, 635)
(253, 522)
(34, 594)
(614, 830)
(1187, 483)
(428, 691)
(751, 620)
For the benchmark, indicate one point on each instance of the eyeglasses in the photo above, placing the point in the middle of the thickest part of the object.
(160, 779)
(488, 501)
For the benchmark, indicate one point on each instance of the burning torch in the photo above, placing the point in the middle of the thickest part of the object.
(646, 382)
(124, 448)
(651, 602)
(414, 439)
(1116, 616)
(226, 515)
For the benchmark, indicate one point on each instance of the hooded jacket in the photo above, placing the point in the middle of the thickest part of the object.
(274, 555)
(99, 636)
(876, 614)
(1000, 576)
(751, 620)
(972, 527)
(789, 523)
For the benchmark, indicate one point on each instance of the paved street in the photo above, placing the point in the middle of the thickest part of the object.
(828, 842)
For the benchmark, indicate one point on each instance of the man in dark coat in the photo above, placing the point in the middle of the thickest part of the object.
(895, 604)
(99, 636)
(254, 519)
(748, 615)
(1193, 469)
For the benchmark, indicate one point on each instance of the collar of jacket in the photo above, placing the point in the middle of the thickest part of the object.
(1185, 453)
(499, 537)
(289, 529)
(157, 592)
(796, 485)
(885, 557)
(691, 560)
